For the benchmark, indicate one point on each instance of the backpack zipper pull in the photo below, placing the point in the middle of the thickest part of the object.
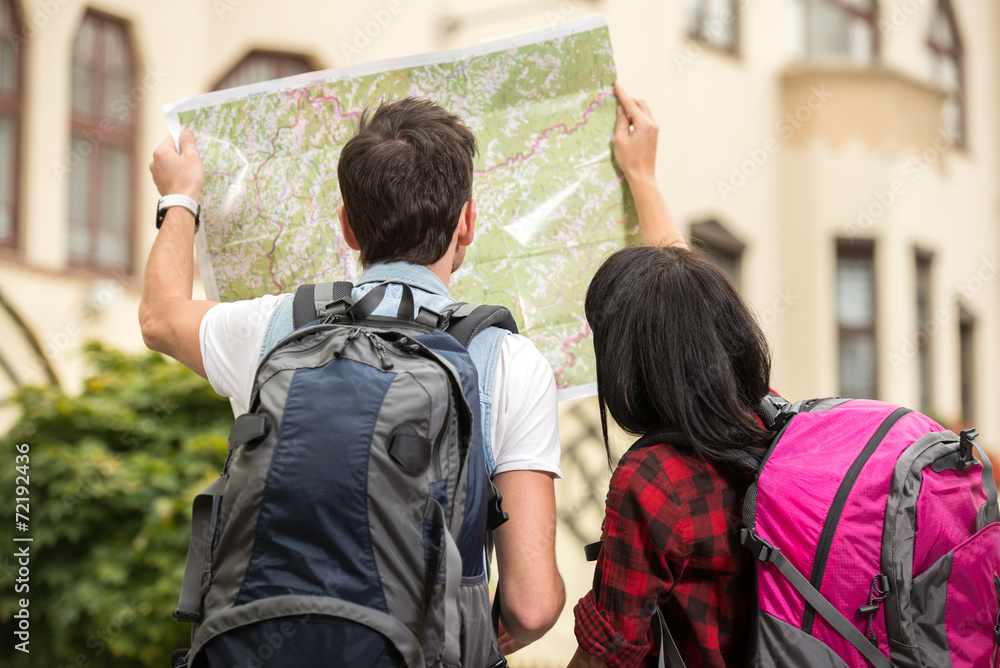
(877, 593)
(996, 623)
(380, 350)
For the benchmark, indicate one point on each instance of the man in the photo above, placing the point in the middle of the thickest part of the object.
(406, 182)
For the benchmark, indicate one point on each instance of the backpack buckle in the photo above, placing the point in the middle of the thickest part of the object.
(760, 548)
(187, 616)
(966, 442)
(334, 311)
(431, 318)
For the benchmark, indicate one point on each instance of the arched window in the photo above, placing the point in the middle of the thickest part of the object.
(944, 47)
(102, 149)
(260, 66)
(837, 30)
(10, 122)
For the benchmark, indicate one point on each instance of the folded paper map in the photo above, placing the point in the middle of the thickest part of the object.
(551, 203)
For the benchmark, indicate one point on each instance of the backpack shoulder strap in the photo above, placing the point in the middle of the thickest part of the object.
(465, 321)
(312, 301)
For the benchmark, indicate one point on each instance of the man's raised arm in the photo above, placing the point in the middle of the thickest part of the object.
(170, 320)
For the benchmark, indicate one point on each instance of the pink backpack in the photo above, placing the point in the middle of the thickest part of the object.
(877, 535)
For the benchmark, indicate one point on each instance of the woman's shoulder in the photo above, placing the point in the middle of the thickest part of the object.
(660, 465)
(670, 467)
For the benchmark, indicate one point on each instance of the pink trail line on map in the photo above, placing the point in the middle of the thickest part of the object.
(565, 344)
(545, 134)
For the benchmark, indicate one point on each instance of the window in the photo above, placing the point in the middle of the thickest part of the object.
(263, 66)
(856, 319)
(725, 250)
(944, 48)
(10, 121)
(714, 22)
(102, 147)
(966, 344)
(836, 30)
(925, 328)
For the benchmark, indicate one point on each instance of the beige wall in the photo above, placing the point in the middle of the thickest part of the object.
(715, 111)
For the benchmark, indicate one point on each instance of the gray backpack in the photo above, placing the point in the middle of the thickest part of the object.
(349, 523)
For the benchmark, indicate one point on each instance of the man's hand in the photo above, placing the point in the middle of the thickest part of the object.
(178, 173)
(635, 137)
(507, 644)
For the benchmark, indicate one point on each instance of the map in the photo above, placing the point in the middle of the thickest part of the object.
(551, 203)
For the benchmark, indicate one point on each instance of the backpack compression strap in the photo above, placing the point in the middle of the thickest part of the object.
(465, 321)
(769, 554)
(312, 301)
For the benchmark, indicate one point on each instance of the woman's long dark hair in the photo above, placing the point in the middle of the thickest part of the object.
(678, 349)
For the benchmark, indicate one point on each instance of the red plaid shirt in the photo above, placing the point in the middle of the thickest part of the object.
(671, 537)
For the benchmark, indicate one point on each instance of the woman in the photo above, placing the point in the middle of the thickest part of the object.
(682, 362)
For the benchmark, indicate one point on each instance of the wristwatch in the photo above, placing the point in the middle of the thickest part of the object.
(168, 201)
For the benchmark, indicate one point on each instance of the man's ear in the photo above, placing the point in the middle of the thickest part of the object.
(466, 230)
(345, 227)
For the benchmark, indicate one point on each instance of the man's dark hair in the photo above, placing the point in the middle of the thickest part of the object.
(404, 177)
(678, 349)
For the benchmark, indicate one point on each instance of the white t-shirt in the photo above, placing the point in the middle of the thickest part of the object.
(524, 423)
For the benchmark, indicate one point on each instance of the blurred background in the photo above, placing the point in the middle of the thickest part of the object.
(840, 159)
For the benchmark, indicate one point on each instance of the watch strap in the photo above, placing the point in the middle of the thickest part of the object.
(168, 201)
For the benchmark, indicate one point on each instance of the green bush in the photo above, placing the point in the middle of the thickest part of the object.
(112, 475)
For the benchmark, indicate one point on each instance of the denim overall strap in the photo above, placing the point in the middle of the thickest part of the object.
(428, 291)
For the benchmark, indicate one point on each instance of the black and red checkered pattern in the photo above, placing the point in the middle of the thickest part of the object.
(671, 537)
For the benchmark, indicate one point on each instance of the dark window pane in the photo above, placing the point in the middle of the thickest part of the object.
(84, 49)
(117, 75)
(713, 21)
(924, 331)
(855, 307)
(945, 70)
(838, 29)
(99, 224)
(8, 56)
(8, 144)
(856, 322)
(857, 366)
(966, 335)
(828, 27)
(79, 208)
(262, 66)
(112, 242)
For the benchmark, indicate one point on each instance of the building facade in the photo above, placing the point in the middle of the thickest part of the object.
(840, 159)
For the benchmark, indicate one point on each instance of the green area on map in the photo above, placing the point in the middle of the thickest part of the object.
(551, 204)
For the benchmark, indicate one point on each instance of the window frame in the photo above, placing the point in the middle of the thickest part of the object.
(870, 17)
(957, 55)
(14, 106)
(220, 83)
(735, 48)
(127, 139)
(858, 249)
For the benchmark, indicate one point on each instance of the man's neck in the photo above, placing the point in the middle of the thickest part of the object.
(443, 267)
